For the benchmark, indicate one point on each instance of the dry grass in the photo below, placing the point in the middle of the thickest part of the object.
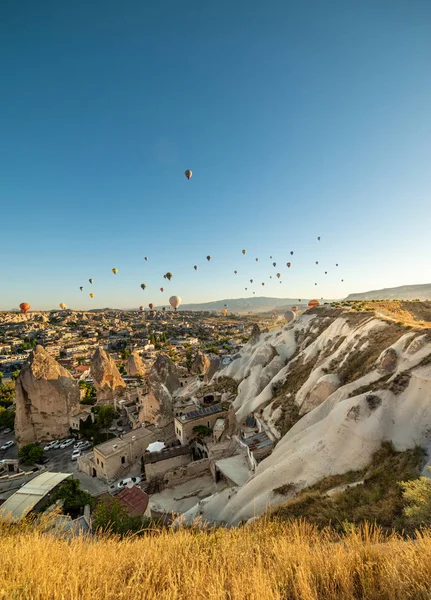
(264, 561)
(410, 314)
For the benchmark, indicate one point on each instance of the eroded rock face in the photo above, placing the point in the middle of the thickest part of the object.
(324, 387)
(135, 366)
(255, 334)
(46, 396)
(107, 379)
(388, 361)
(200, 364)
(214, 366)
(163, 380)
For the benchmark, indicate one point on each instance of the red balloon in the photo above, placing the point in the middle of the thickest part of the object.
(25, 307)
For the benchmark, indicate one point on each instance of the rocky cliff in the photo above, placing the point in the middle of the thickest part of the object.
(200, 364)
(108, 382)
(46, 396)
(163, 381)
(135, 366)
(328, 388)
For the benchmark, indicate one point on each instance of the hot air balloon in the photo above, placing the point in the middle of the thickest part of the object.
(317, 262)
(145, 257)
(289, 315)
(115, 271)
(318, 238)
(254, 292)
(143, 286)
(224, 312)
(90, 280)
(141, 308)
(169, 276)
(294, 308)
(251, 280)
(326, 272)
(164, 276)
(208, 258)
(25, 307)
(195, 267)
(243, 251)
(188, 174)
(225, 305)
(175, 302)
(81, 288)
(236, 272)
(62, 306)
(313, 303)
(245, 289)
(336, 264)
(151, 305)
(315, 284)
(274, 264)
(162, 289)
(288, 265)
(270, 258)
(257, 260)
(270, 276)
(263, 283)
(299, 299)
(291, 252)
(278, 275)
(92, 295)
(342, 280)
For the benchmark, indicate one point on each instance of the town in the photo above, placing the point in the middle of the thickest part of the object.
(131, 407)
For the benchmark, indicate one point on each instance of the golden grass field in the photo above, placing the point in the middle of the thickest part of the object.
(263, 561)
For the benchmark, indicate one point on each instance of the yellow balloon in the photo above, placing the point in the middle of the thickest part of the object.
(115, 271)
(91, 295)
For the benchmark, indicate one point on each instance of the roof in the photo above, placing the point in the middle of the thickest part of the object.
(25, 499)
(134, 499)
(255, 442)
(235, 468)
(107, 448)
(202, 412)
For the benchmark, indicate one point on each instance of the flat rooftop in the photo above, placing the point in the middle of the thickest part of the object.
(202, 412)
(107, 448)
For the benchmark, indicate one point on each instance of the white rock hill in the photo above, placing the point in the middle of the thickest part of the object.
(352, 380)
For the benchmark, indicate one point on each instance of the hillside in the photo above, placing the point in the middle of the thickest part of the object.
(263, 561)
(404, 292)
(329, 388)
(255, 304)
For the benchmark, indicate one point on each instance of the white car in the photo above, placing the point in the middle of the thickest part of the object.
(122, 484)
(79, 444)
(50, 445)
(7, 445)
(56, 444)
(67, 443)
(76, 454)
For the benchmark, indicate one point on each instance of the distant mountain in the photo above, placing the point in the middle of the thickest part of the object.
(404, 292)
(258, 304)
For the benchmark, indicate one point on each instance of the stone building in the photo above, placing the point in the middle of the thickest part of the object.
(207, 417)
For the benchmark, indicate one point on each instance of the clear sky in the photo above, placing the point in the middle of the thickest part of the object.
(298, 119)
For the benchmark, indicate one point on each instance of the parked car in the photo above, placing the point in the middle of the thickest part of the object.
(51, 445)
(122, 484)
(56, 444)
(7, 430)
(7, 445)
(84, 446)
(76, 454)
(67, 443)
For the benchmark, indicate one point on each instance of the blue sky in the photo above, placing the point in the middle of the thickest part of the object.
(298, 119)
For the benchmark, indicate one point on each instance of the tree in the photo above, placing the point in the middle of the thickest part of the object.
(30, 453)
(104, 416)
(111, 515)
(74, 498)
(7, 418)
(15, 374)
(202, 431)
(189, 358)
(417, 497)
(7, 394)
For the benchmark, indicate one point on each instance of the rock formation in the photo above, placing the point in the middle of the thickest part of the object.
(163, 380)
(214, 366)
(108, 382)
(340, 385)
(200, 364)
(46, 396)
(135, 366)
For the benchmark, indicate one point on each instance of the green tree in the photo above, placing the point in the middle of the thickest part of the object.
(417, 497)
(7, 394)
(202, 431)
(110, 515)
(74, 498)
(104, 416)
(15, 374)
(30, 453)
(189, 358)
(7, 418)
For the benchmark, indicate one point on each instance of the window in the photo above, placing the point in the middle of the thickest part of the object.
(97, 461)
(123, 460)
(101, 464)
